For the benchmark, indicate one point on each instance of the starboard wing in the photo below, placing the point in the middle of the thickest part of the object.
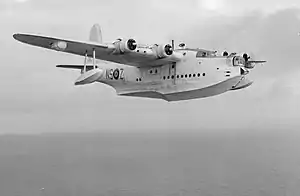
(140, 57)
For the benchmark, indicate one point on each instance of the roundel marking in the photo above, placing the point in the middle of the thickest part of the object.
(116, 74)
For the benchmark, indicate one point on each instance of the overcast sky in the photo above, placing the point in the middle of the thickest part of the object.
(38, 97)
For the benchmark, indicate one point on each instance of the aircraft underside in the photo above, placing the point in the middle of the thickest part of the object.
(182, 92)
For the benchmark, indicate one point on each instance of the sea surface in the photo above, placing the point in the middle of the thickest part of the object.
(134, 164)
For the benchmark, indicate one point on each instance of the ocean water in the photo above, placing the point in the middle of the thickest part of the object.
(94, 164)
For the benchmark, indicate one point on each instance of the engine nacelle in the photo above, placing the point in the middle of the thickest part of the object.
(163, 51)
(128, 45)
(248, 64)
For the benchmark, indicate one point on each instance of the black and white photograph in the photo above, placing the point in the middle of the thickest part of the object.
(149, 98)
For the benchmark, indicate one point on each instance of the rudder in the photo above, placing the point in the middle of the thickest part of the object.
(96, 34)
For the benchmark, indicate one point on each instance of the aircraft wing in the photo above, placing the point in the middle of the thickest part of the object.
(140, 57)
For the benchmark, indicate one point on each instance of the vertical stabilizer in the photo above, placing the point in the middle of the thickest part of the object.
(96, 34)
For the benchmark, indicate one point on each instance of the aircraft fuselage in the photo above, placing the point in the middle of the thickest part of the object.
(192, 77)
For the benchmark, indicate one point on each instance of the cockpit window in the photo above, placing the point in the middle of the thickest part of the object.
(238, 61)
(205, 53)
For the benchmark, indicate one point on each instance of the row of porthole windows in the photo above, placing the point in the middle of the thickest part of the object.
(143, 51)
(178, 76)
(151, 71)
(184, 76)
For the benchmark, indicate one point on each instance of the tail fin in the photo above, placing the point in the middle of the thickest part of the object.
(96, 34)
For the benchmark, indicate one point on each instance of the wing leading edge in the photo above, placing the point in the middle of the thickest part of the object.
(140, 57)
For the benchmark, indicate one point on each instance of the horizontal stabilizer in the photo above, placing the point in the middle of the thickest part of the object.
(76, 66)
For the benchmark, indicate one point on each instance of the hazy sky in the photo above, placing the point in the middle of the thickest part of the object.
(38, 97)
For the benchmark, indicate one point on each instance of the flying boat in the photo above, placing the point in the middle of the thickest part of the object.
(158, 71)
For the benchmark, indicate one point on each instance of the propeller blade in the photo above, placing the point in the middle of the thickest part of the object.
(257, 61)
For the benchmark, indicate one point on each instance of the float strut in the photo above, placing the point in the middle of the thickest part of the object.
(85, 61)
(94, 58)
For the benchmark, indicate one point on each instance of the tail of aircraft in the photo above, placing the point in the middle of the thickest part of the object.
(96, 34)
(90, 74)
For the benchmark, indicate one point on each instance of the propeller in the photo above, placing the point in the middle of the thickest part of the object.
(250, 63)
(168, 49)
(246, 57)
(131, 43)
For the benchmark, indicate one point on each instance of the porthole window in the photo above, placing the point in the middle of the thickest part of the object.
(150, 71)
(138, 50)
(177, 76)
(181, 76)
(194, 75)
(156, 71)
(137, 79)
(168, 77)
(172, 76)
(164, 77)
(144, 51)
(190, 75)
(140, 79)
(199, 75)
(186, 75)
(203, 74)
